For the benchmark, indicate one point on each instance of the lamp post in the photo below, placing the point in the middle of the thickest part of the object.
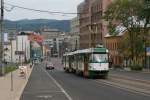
(11, 40)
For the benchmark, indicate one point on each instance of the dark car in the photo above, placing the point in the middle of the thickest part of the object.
(49, 66)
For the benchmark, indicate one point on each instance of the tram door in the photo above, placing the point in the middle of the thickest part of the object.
(86, 59)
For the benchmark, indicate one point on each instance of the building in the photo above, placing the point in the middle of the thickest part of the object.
(50, 39)
(17, 49)
(48, 33)
(113, 43)
(53, 40)
(92, 27)
(7, 52)
(74, 41)
(22, 47)
(36, 47)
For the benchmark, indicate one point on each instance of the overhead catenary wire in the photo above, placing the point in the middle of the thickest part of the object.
(38, 10)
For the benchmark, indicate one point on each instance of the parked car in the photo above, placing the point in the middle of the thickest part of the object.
(49, 66)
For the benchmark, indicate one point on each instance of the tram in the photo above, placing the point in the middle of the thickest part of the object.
(87, 62)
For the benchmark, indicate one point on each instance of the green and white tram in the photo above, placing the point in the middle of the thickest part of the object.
(88, 62)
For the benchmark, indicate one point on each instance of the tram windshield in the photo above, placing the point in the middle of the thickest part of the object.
(99, 58)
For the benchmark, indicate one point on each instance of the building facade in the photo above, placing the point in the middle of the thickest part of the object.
(92, 27)
(55, 41)
(17, 50)
(74, 33)
(23, 44)
(113, 44)
(50, 39)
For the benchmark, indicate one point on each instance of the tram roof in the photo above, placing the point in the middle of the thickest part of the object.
(90, 50)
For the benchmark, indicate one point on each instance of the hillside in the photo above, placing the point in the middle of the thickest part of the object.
(36, 24)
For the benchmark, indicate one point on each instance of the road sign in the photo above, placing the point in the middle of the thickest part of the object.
(19, 52)
(148, 51)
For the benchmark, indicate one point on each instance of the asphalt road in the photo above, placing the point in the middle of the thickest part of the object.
(58, 85)
(42, 86)
(132, 74)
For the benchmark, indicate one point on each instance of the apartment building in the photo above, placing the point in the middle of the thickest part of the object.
(74, 33)
(92, 27)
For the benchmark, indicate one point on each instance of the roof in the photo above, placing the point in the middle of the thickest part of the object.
(90, 50)
(119, 31)
(51, 30)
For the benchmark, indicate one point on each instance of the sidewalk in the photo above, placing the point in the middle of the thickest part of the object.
(18, 85)
(143, 71)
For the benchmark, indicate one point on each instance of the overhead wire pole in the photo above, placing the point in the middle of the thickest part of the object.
(1, 26)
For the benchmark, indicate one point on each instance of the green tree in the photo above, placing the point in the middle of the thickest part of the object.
(127, 13)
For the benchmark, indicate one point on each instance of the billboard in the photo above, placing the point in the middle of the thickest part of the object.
(148, 51)
(5, 37)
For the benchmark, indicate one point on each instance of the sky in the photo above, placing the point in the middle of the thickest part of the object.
(69, 6)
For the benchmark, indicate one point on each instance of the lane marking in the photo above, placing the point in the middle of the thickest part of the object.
(43, 92)
(45, 96)
(61, 88)
(122, 88)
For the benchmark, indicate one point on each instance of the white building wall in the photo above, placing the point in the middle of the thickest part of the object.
(74, 41)
(20, 44)
(10, 53)
(14, 57)
(23, 44)
(7, 54)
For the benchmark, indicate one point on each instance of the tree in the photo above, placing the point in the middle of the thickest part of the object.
(126, 12)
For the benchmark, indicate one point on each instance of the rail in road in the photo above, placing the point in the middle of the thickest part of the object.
(124, 82)
(128, 84)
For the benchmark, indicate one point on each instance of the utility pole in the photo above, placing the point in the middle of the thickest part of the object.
(2, 38)
(11, 40)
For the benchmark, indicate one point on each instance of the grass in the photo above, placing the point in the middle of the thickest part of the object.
(10, 69)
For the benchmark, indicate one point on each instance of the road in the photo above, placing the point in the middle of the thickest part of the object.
(132, 74)
(58, 85)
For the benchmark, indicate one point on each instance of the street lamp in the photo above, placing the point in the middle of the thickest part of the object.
(11, 40)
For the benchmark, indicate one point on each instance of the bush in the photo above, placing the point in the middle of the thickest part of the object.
(10, 69)
(136, 67)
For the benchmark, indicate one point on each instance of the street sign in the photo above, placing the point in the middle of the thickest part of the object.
(148, 51)
(19, 53)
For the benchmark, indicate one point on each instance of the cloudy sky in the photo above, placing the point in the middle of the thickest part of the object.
(69, 6)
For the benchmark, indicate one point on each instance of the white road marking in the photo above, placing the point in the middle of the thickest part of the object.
(43, 92)
(66, 94)
(45, 96)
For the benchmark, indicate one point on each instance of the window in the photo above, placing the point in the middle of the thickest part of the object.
(99, 58)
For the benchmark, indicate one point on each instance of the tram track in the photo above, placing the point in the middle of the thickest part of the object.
(127, 83)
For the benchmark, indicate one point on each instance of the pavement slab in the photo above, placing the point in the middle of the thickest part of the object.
(6, 93)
